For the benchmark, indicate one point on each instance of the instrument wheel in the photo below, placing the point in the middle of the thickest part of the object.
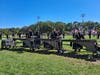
(60, 51)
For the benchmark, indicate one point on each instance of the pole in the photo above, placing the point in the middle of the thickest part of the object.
(82, 15)
(38, 26)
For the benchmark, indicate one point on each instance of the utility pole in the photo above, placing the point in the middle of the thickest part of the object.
(82, 15)
(38, 20)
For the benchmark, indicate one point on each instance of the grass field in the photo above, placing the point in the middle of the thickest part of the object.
(41, 62)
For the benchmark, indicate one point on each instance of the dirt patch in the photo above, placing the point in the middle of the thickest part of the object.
(96, 62)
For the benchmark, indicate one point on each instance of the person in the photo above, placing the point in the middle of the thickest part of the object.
(89, 34)
(19, 34)
(59, 33)
(29, 34)
(48, 34)
(98, 35)
(53, 34)
(37, 40)
(78, 36)
(73, 33)
(63, 35)
(37, 34)
(7, 36)
(26, 34)
(81, 35)
(59, 40)
(56, 36)
(13, 35)
(0, 35)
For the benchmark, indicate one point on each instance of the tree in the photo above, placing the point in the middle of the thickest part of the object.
(60, 26)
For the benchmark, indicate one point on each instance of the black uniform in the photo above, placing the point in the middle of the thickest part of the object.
(59, 38)
(7, 36)
(63, 35)
(48, 35)
(29, 34)
(78, 36)
(0, 35)
(53, 35)
(89, 34)
(37, 34)
(37, 39)
(98, 35)
(19, 34)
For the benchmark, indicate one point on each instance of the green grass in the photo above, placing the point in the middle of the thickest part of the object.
(86, 37)
(14, 62)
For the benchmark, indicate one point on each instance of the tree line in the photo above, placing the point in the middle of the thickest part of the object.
(48, 26)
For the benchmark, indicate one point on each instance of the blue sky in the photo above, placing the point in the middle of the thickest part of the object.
(19, 13)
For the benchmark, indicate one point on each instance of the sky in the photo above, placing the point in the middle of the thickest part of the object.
(19, 13)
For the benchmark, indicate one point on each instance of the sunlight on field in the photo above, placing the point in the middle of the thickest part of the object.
(27, 63)
(42, 62)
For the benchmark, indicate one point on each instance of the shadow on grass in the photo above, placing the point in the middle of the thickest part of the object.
(72, 54)
(18, 50)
